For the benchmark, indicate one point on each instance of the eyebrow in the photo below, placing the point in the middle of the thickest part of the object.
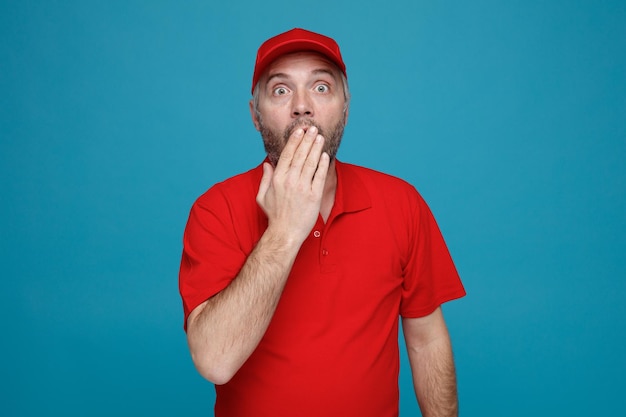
(314, 72)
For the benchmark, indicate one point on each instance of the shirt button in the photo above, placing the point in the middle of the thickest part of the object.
(317, 233)
(324, 252)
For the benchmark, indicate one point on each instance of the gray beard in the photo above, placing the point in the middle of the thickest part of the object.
(275, 142)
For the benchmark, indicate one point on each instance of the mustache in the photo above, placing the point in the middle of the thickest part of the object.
(303, 122)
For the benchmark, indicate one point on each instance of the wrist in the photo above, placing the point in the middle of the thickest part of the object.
(281, 240)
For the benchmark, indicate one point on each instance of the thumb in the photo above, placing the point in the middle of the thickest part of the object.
(266, 180)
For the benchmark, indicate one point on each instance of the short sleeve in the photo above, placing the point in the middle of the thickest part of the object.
(430, 276)
(212, 256)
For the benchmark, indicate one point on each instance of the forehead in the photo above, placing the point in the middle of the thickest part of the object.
(302, 62)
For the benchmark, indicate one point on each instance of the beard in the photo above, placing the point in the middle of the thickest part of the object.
(274, 141)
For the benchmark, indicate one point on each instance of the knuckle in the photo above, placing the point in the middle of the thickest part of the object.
(310, 163)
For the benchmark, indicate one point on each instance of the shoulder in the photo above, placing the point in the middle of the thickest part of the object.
(374, 177)
(378, 183)
(394, 198)
(232, 190)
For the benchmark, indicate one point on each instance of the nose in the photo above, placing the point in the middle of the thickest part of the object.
(301, 105)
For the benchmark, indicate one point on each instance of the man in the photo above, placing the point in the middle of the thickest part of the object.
(295, 273)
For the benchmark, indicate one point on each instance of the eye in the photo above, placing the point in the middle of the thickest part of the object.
(279, 91)
(322, 88)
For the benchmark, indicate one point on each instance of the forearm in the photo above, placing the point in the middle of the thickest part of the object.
(226, 329)
(435, 379)
(432, 364)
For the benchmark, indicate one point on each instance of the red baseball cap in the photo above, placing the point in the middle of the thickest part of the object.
(296, 40)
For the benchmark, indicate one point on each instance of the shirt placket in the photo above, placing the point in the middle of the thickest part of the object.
(325, 255)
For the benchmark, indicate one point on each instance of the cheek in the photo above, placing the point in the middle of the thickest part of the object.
(337, 115)
(331, 105)
(274, 115)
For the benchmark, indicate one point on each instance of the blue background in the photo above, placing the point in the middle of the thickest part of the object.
(509, 117)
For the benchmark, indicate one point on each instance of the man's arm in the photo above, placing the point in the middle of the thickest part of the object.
(432, 365)
(223, 331)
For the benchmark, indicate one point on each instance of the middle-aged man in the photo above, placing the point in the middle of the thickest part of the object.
(295, 273)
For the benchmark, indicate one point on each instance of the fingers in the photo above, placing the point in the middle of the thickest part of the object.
(319, 178)
(288, 152)
(266, 180)
(311, 152)
(308, 153)
(302, 152)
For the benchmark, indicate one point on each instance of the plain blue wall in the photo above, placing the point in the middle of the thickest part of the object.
(509, 117)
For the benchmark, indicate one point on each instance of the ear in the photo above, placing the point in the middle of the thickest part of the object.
(345, 115)
(255, 118)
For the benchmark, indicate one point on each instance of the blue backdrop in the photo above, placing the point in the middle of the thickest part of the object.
(509, 117)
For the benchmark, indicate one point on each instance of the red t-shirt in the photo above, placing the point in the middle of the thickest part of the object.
(331, 348)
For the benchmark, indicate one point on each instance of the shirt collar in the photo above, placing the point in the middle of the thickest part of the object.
(351, 194)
